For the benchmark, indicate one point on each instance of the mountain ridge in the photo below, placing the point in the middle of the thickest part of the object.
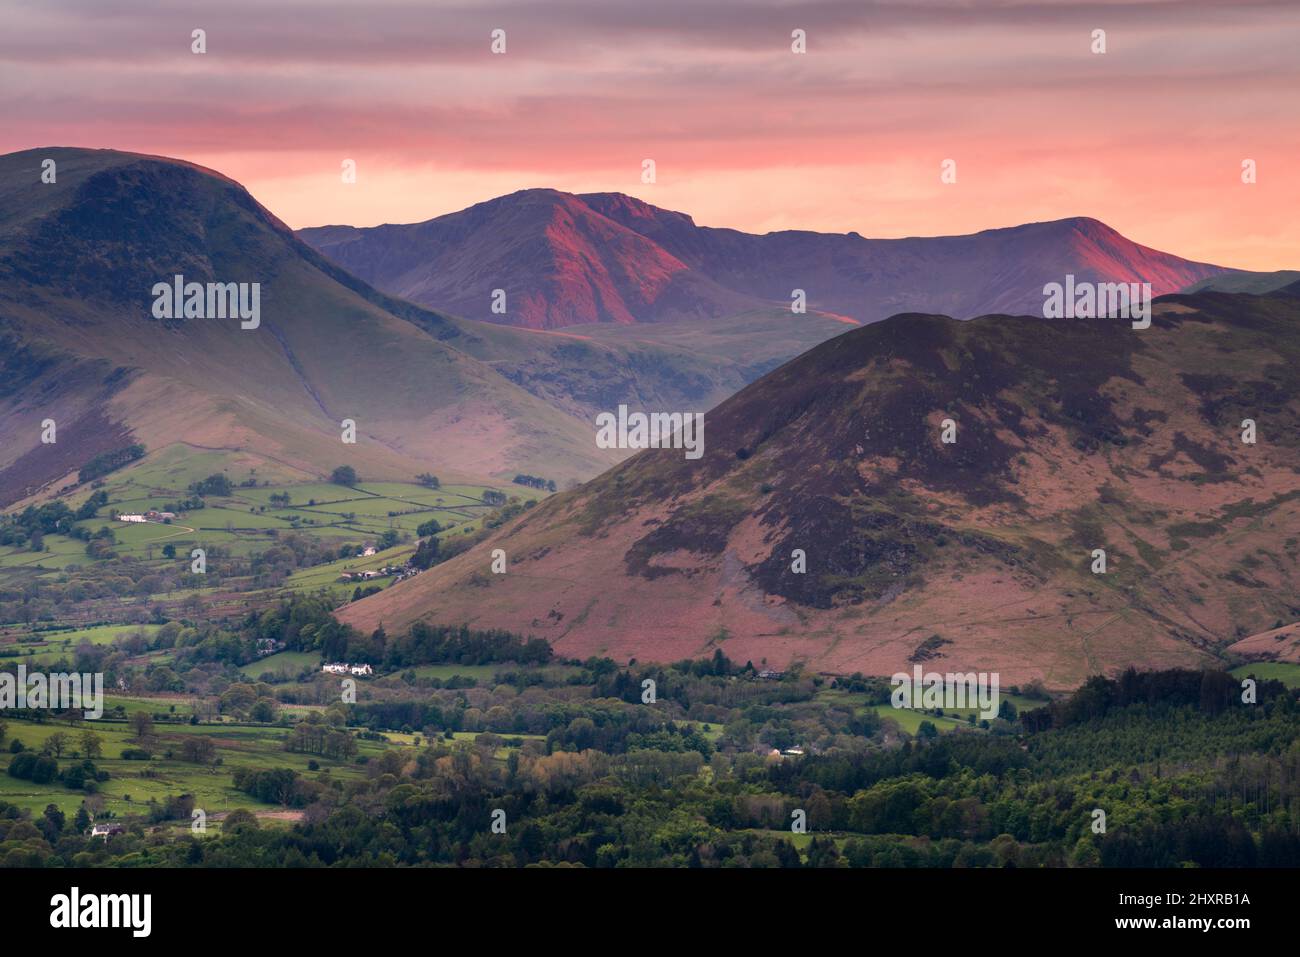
(80, 256)
(613, 258)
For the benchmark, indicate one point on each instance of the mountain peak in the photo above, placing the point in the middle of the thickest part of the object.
(622, 208)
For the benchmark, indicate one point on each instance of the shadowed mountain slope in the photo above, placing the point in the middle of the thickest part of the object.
(1071, 436)
(79, 258)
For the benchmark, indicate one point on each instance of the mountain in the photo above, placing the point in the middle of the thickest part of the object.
(1253, 282)
(79, 345)
(975, 555)
(560, 263)
(565, 260)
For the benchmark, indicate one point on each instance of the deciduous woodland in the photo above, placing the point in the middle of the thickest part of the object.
(460, 724)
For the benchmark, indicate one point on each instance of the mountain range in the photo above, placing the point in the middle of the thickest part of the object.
(564, 260)
(827, 523)
(427, 389)
(80, 345)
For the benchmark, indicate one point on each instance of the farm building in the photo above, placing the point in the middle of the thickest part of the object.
(343, 668)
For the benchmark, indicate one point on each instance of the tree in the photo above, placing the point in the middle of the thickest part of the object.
(45, 770)
(344, 475)
(92, 745)
(198, 749)
(57, 743)
(239, 819)
(264, 710)
(142, 724)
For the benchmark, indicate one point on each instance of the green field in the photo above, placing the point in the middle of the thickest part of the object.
(40, 647)
(133, 783)
(1288, 674)
(246, 523)
(286, 663)
(909, 719)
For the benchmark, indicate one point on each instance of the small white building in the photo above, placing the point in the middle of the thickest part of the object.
(132, 518)
(343, 668)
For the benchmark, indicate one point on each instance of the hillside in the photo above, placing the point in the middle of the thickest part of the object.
(974, 555)
(79, 259)
(566, 260)
(1253, 282)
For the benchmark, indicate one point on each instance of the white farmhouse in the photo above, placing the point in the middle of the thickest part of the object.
(343, 668)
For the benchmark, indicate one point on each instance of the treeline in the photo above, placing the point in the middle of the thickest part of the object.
(110, 461)
(313, 738)
(283, 786)
(52, 518)
(429, 644)
(216, 484)
(305, 623)
(1211, 692)
(535, 481)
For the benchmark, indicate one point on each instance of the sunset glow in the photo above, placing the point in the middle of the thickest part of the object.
(1149, 137)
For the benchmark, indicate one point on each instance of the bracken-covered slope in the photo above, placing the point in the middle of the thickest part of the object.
(566, 260)
(79, 344)
(1072, 435)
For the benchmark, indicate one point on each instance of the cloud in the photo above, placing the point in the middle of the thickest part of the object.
(711, 91)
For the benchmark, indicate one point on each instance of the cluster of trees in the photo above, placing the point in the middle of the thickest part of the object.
(215, 484)
(42, 768)
(310, 737)
(53, 518)
(283, 786)
(1212, 692)
(535, 481)
(110, 461)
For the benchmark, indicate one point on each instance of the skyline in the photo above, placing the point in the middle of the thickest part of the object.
(849, 136)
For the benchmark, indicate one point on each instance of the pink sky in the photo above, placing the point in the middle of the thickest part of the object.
(1149, 137)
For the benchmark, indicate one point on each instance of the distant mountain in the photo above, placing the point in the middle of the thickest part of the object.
(1070, 436)
(80, 345)
(559, 261)
(1252, 282)
(565, 259)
